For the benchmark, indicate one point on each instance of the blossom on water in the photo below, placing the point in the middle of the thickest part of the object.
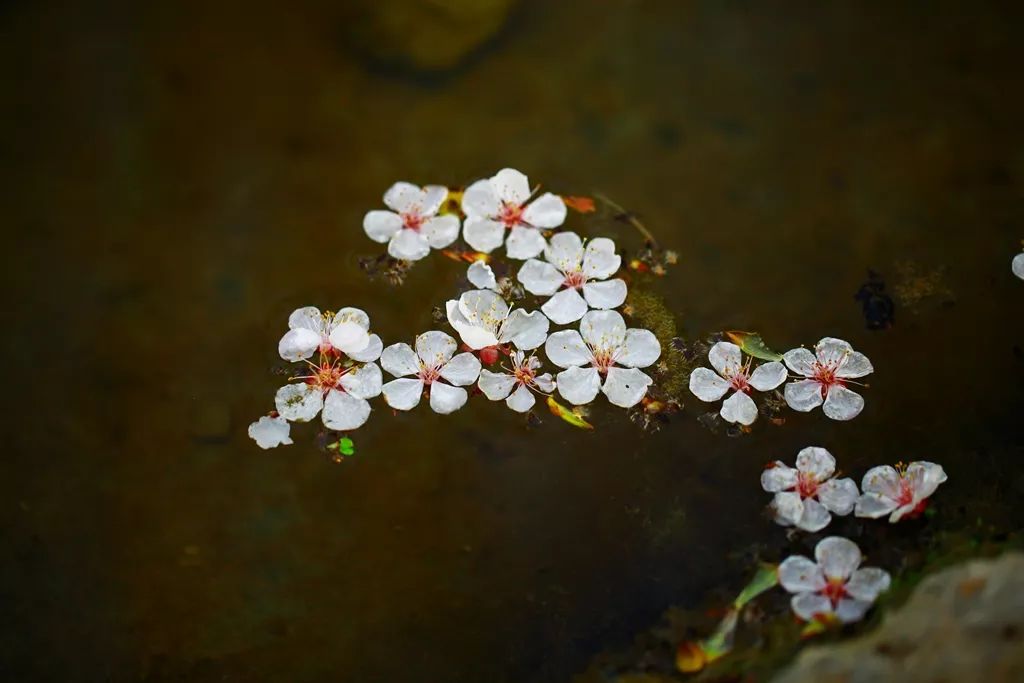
(603, 356)
(835, 585)
(732, 374)
(1017, 265)
(483, 319)
(494, 205)
(900, 492)
(270, 432)
(412, 225)
(826, 373)
(516, 386)
(337, 386)
(432, 366)
(806, 497)
(481, 276)
(570, 269)
(347, 331)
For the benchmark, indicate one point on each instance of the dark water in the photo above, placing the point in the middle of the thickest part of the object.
(179, 178)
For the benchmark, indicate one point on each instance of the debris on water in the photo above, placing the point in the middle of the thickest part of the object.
(917, 286)
(877, 306)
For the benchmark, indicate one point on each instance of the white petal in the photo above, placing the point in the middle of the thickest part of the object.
(481, 276)
(798, 574)
(924, 478)
(565, 251)
(496, 385)
(546, 211)
(349, 314)
(866, 584)
(579, 385)
(706, 385)
(816, 461)
(726, 358)
(400, 360)
(815, 516)
(838, 557)
(739, 408)
(381, 226)
(768, 376)
(363, 381)
(832, 351)
(461, 370)
(809, 605)
(371, 353)
(803, 396)
(567, 306)
(838, 495)
(855, 365)
(270, 432)
(511, 186)
(639, 349)
(479, 200)
(298, 344)
(625, 387)
(842, 404)
(787, 507)
(849, 611)
(408, 245)
(440, 231)
(432, 199)
(402, 196)
(603, 329)
(902, 511)
(800, 361)
(874, 505)
(343, 411)
(307, 318)
(483, 308)
(526, 330)
(524, 243)
(298, 402)
(445, 399)
(545, 382)
(566, 349)
(600, 260)
(1017, 266)
(435, 348)
(884, 480)
(521, 399)
(402, 394)
(350, 338)
(778, 477)
(607, 294)
(472, 336)
(483, 234)
(540, 277)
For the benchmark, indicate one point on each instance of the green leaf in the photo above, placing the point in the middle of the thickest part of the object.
(752, 345)
(569, 416)
(767, 577)
(345, 446)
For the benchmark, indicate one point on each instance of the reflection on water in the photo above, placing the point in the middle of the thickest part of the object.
(182, 180)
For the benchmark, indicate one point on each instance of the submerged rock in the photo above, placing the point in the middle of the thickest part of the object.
(962, 624)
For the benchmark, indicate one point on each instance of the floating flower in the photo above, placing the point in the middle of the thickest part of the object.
(833, 586)
(805, 496)
(833, 364)
(570, 268)
(335, 385)
(481, 276)
(270, 432)
(494, 205)
(522, 377)
(604, 356)
(412, 226)
(433, 360)
(483, 319)
(346, 331)
(727, 359)
(901, 491)
(1017, 265)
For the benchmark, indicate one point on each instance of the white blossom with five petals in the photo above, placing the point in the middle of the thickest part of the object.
(808, 496)
(270, 432)
(517, 385)
(826, 373)
(424, 368)
(494, 205)
(483, 318)
(732, 374)
(900, 492)
(412, 227)
(337, 386)
(347, 331)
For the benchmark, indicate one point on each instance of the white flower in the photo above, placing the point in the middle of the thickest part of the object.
(903, 492)
(827, 371)
(482, 318)
(412, 226)
(270, 432)
(338, 387)
(346, 331)
(1017, 265)
(805, 496)
(522, 377)
(613, 355)
(431, 362)
(832, 586)
(727, 359)
(570, 268)
(494, 205)
(481, 276)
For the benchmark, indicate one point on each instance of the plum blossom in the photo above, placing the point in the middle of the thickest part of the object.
(900, 492)
(732, 374)
(603, 356)
(270, 432)
(516, 385)
(481, 276)
(805, 496)
(484, 319)
(834, 586)
(827, 371)
(494, 205)
(347, 331)
(336, 385)
(1017, 265)
(569, 269)
(432, 361)
(412, 226)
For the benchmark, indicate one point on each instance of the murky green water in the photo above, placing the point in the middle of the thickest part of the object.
(179, 179)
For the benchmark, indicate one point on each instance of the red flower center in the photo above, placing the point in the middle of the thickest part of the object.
(524, 374)
(602, 361)
(825, 375)
(806, 485)
(510, 214)
(327, 376)
(574, 280)
(834, 590)
(429, 374)
(412, 220)
(740, 382)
